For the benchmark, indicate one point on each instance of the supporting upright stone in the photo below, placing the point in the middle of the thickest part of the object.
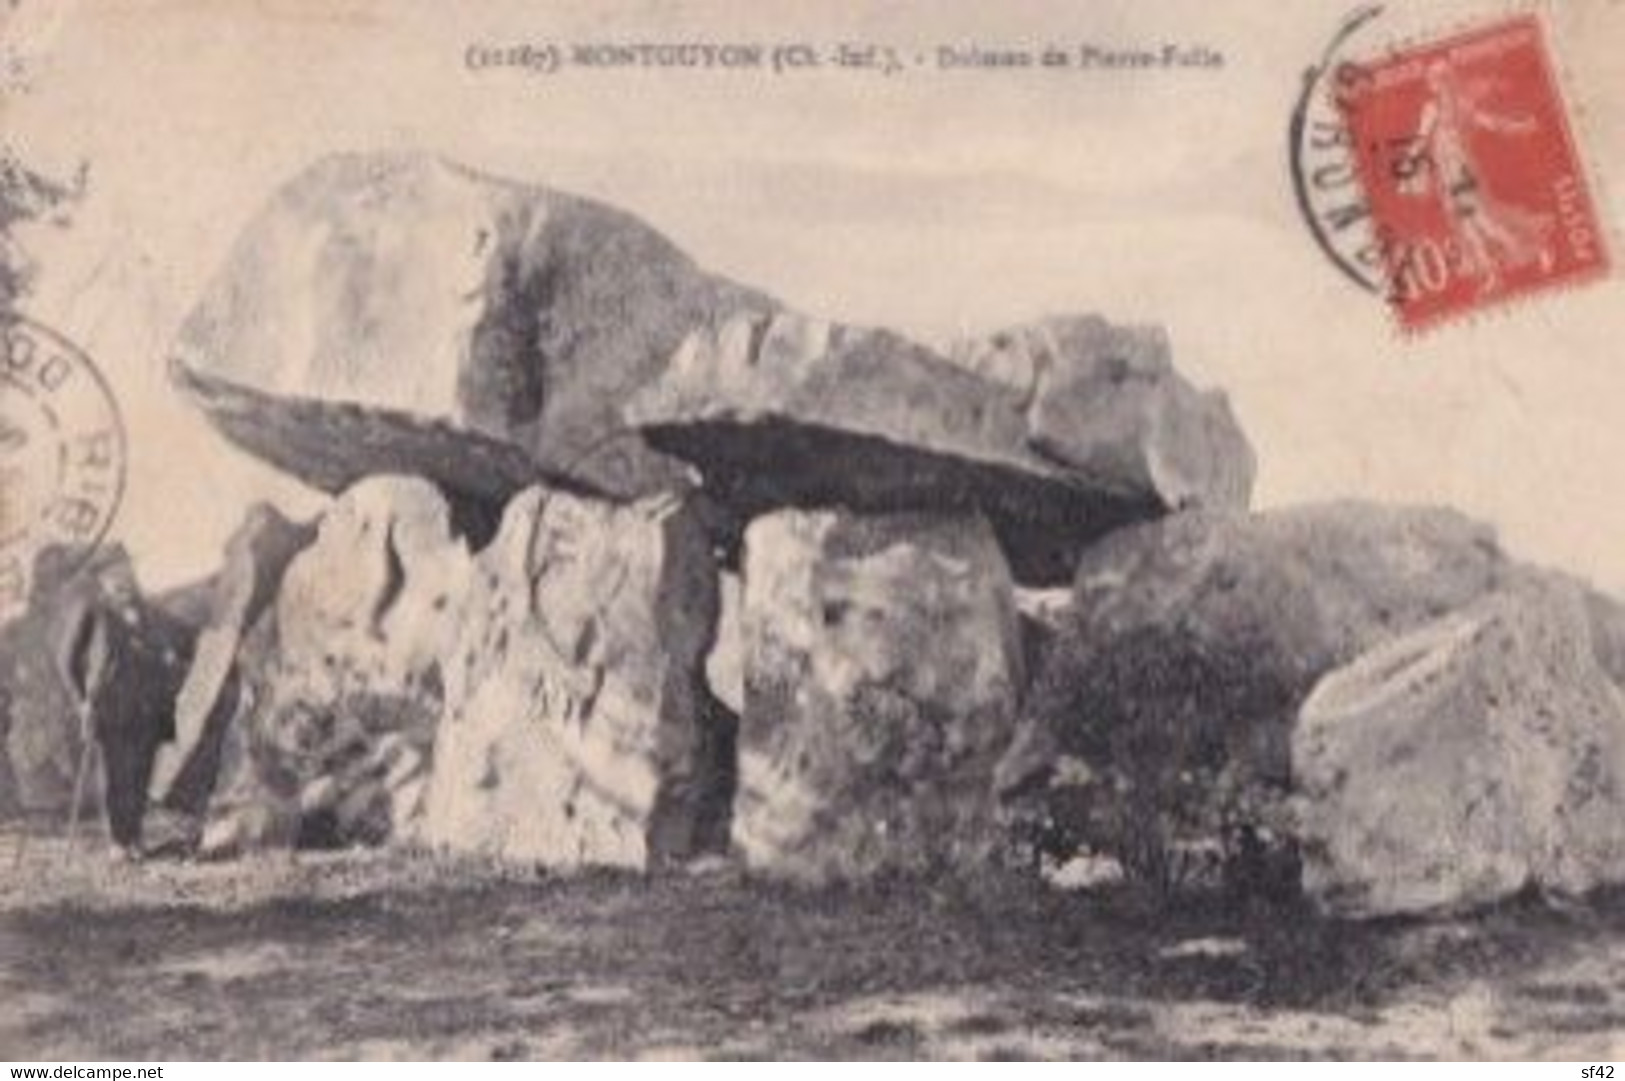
(578, 727)
(256, 557)
(334, 685)
(882, 669)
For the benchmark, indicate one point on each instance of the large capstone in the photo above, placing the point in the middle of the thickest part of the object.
(1105, 402)
(779, 410)
(882, 668)
(397, 313)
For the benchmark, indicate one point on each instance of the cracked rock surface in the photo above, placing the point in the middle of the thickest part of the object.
(399, 313)
(1478, 756)
(578, 728)
(1074, 430)
(882, 674)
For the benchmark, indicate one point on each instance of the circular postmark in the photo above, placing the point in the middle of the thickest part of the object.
(1443, 172)
(1325, 169)
(62, 453)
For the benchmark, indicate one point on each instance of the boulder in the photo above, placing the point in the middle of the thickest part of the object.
(398, 313)
(578, 729)
(1106, 402)
(1160, 722)
(780, 410)
(344, 659)
(312, 774)
(1605, 615)
(372, 603)
(1475, 757)
(541, 699)
(256, 556)
(882, 672)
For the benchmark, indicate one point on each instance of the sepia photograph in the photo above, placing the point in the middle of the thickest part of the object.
(791, 530)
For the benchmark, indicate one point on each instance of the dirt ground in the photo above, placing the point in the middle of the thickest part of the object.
(397, 955)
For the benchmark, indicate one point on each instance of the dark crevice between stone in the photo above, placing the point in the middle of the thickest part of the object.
(693, 813)
(473, 519)
(753, 467)
(332, 446)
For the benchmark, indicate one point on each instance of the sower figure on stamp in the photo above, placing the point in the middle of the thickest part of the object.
(1485, 225)
(118, 662)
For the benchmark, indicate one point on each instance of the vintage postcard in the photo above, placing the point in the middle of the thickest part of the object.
(793, 530)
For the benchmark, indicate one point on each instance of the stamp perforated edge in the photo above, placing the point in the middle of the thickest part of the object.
(1574, 115)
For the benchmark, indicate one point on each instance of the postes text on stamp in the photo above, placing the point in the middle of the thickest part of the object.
(1470, 172)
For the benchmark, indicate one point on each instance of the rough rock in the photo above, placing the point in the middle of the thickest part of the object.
(882, 673)
(1045, 615)
(1106, 402)
(1605, 615)
(1462, 763)
(402, 314)
(541, 699)
(348, 653)
(1161, 719)
(578, 728)
(725, 664)
(256, 556)
(779, 410)
(370, 605)
(397, 313)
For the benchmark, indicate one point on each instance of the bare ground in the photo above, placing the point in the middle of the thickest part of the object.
(396, 955)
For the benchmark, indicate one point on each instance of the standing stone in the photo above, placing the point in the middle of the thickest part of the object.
(882, 668)
(578, 728)
(1459, 764)
(370, 605)
(341, 678)
(256, 557)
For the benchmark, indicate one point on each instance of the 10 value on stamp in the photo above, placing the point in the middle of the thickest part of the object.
(1445, 174)
(62, 454)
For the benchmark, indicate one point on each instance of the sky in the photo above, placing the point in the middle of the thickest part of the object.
(937, 202)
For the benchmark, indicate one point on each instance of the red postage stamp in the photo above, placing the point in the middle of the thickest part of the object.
(1470, 170)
